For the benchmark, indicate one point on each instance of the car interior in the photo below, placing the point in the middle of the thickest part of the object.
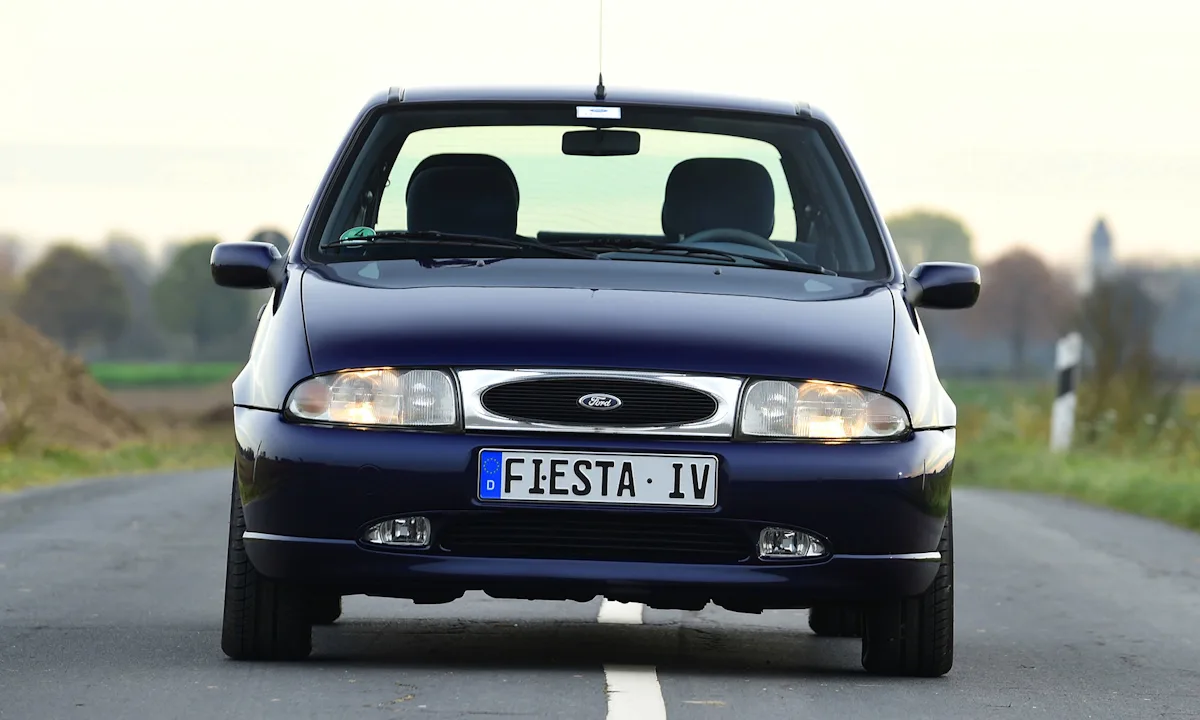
(478, 194)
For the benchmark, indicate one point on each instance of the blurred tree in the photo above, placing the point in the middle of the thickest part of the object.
(1118, 319)
(170, 249)
(74, 298)
(129, 253)
(273, 236)
(1022, 300)
(188, 302)
(10, 259)
(923, 235)
(142, 338)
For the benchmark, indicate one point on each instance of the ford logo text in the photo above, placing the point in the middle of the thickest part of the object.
(600, 401)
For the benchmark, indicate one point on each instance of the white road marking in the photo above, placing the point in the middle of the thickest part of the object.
(619, 613)
(633, 691)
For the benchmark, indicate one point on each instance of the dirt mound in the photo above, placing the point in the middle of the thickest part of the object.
(180, 406)
(217, 415)
(48, 398)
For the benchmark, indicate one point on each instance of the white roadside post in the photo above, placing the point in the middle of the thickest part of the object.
(1062, 416)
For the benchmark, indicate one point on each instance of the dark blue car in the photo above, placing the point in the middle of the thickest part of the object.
(561, 343)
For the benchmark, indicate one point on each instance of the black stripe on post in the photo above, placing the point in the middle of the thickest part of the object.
(1066, 381)
(1068, 355)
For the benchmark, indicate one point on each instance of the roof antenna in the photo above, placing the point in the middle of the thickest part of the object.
(600, 92)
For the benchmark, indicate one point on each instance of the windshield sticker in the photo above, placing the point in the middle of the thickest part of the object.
(357, 232)
(606, 113)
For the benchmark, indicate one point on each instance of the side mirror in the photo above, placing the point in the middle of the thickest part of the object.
(943, 285)
(247, 265)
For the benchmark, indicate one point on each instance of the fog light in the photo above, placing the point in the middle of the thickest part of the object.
(775, 542)
(409, 532)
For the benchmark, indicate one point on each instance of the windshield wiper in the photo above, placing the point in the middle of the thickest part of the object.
(379, 237)
(652, 248)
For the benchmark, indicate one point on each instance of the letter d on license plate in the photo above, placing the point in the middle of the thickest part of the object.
(582, 478)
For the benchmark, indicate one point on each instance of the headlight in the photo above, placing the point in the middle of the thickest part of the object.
(408, 398)
(820, 411)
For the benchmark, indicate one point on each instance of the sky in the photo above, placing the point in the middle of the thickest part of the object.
(1027, 119)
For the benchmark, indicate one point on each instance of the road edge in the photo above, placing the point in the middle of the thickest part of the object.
(66, 486)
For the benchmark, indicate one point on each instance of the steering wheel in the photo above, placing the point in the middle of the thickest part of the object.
(733, 236)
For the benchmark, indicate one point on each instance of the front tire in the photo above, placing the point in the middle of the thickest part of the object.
(915, 636)
(264, 619)
(325, 609)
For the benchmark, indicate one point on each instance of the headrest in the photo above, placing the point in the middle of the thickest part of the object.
(463, 160)
(469, 200)
(705, 193)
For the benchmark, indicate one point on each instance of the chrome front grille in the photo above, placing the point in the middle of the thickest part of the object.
(643, 403)
(552, 401)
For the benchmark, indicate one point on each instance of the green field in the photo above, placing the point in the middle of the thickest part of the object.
(1163, 487)
(124, 375)
(996, 393)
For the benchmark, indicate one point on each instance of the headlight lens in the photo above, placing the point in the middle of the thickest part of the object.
(820, 411)
(420, 398)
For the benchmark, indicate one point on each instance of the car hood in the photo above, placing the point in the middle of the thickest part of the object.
(844, 339)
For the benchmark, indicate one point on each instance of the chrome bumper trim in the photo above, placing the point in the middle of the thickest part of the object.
(271, 537)
(934, 556)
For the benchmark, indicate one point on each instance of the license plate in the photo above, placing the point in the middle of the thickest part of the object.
(587, 477)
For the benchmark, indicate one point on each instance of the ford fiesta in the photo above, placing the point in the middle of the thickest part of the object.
(561, 344)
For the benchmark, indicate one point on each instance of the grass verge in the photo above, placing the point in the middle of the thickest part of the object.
(1162, 487)
(20, 470)
(1152, 470)
(152, 375)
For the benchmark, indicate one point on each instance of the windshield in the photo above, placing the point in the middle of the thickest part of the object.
(715, 188)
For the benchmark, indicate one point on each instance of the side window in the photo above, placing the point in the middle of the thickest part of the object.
(562, 193)
(839, 229)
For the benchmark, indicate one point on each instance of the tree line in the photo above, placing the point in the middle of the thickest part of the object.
(113, 302)
(1026, 305)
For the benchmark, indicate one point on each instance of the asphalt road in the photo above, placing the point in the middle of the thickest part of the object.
(110, 602)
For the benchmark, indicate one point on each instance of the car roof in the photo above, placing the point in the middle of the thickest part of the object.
(586, 95)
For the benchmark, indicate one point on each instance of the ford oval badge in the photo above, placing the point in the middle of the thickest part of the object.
(600, 401)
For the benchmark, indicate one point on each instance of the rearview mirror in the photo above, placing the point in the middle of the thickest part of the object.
(943, 285)
(601, 143)
(246, 265)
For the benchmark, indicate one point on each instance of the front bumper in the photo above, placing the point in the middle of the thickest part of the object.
(309, 492)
